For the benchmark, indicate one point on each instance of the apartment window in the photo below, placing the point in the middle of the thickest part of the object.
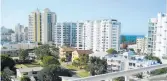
(130, 64)
(133, 64)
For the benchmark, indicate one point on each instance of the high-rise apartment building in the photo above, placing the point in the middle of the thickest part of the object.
(161, 36)
(19, 33)
(65, 34)
(26, 33)
(97, 35)
(35, 26)
(41, 26)
(48, 23)
(101, 35)
(151, 35)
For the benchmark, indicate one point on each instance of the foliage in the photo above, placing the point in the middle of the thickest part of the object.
(39, 43)
(46, 50)
(48, 60)
(120, 79)
(150, 57)
(6, 61)
(140, 75)
(63, 59)
(8, 71)
(159, 71)
(23, 54)
(52, 73)
(97, 66)
(111, 51)
(24, 78)
(83, 73)
(82, 61)
(131, 49)
(5, 77)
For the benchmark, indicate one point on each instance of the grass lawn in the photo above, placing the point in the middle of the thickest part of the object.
(20, 66)
(34, 64)
(83, 73)
(71, 67)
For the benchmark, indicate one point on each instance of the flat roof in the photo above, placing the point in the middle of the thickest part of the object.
(30, 69)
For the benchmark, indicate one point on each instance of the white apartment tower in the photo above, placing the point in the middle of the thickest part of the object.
(97, 35)
(65, 34)
(48, 23)
(151, 35)
(100, 35)
(161, 36)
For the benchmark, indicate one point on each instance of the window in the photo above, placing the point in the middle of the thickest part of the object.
(130, 64)
(34, 72)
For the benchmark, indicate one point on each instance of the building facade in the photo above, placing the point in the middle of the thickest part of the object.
(101, 35)
(65, 34)
(48, 23)
(41, 26)
(19, 33)
(141, 45)
(161, 36)
(151, 35)
(97, 35)
(35, 27)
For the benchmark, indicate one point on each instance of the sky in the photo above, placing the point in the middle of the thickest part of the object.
(133, 14)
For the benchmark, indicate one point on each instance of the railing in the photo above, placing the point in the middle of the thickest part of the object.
(110, 76)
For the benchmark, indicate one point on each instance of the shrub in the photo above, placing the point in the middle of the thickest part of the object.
(63, 59)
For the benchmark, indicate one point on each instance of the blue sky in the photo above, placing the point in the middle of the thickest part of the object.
(133, 14)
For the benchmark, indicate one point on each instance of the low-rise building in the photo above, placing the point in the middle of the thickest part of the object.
(28, 72)
(66, 52)
(98, 54)
(76, 54)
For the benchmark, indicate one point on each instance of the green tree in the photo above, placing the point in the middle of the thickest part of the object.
(45, 50)
(8, 71)
(159, 71)
(63, 59)
(97, 66)
(52, 73)
(111, 51)
(120, 79)
(140, 75)
(24, 78)
(49, 60)
(5, 77)
(131, 49)
(82, 61)
(6, 61)
(151, 57)
(23, 54)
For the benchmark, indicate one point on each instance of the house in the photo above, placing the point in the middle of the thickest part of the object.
(29, 72)
(77, 53)
(66, 52)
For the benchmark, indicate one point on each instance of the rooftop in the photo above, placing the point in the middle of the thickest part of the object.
(84, 51)
(30, 69)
